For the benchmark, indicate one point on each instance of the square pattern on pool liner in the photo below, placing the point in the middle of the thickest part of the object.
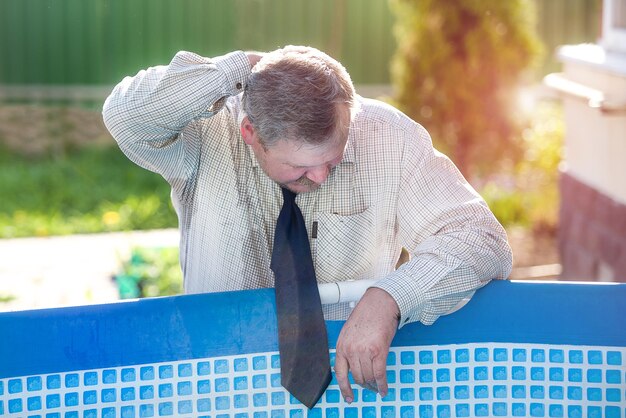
(426, 381)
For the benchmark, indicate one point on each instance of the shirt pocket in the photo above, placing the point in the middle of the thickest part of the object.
(345, 246)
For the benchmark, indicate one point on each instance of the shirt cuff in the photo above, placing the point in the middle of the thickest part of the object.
(399, 294)
(236, 68)
(409, 286)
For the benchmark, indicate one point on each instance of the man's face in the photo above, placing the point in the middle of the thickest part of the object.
(298, 167)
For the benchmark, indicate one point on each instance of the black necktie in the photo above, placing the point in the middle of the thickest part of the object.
(302, 340)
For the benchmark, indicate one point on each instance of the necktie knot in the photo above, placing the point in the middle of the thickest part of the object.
(289, 197)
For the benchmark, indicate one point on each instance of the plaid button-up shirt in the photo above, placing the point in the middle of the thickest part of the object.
(391, 190)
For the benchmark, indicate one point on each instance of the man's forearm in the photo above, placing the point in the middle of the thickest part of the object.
(147, 112)
(445, 269)
(160, 101)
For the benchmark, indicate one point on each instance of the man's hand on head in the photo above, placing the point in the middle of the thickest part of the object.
(364, 342)
(254, 57)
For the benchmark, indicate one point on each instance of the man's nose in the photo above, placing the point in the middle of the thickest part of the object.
(318, 174)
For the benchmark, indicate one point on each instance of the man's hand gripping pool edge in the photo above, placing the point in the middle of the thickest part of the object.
(364, 341)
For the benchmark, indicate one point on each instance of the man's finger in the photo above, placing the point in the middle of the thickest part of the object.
(380, 374)
(341, 373)
(371, 386)
(355, 368)
(369, 379)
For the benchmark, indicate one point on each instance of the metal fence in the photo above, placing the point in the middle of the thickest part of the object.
(97, 42)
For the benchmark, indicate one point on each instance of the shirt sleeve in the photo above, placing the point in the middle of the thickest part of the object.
(146, 114)
(456, 243)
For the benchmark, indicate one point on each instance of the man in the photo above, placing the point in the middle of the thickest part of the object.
(228, 132)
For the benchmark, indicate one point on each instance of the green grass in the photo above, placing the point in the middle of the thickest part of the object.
(86, 190)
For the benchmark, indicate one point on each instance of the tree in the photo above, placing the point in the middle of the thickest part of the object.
(456, 71)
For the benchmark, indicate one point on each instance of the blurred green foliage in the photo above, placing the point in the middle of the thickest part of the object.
(79, 190)
(457, 70)
(528, 194)
(150, 272)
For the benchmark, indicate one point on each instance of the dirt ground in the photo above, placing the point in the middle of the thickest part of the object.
(36, 129)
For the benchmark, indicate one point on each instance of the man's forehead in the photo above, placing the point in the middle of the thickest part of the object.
(315, 155)
(299, 154)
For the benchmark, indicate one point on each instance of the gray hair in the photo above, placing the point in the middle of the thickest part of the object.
(299, 93)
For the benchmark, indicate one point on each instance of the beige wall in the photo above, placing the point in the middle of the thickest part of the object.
(594, 90)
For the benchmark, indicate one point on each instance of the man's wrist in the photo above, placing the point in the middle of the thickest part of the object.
(389, 302)
(235, 66)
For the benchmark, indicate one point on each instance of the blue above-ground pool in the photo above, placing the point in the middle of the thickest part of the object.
(517, 349)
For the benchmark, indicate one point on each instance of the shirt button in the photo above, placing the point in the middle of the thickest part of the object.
(238, 85)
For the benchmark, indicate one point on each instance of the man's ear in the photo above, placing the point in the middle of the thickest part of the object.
(248, 133)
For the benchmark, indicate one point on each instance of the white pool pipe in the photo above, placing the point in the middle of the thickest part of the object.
(352, 291)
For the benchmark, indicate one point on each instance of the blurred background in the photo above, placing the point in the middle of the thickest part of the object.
(79, 223)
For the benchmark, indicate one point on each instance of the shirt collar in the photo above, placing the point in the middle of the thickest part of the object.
(253, 160)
